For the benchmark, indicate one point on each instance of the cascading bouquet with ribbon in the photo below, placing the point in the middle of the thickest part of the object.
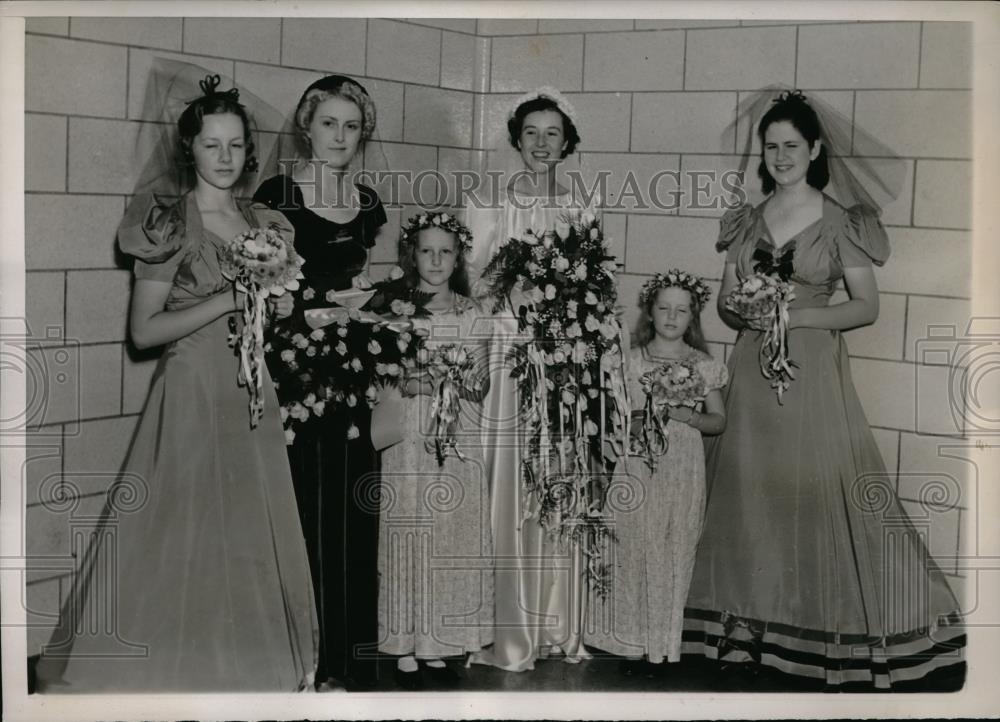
(762, 300)
(448, 366)
(673, 383)
(261, 263)
(570, 375)
(341, 348)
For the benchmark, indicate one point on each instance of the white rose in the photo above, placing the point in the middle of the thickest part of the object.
(562, 230)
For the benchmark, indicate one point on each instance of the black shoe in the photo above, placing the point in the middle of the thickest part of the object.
(408, 680)
(443, 676)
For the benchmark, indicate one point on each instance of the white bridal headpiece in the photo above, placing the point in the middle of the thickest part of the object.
(546, 91)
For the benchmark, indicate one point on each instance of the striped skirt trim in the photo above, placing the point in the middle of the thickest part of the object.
(836, 659)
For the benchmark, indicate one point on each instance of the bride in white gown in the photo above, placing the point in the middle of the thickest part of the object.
(540, 584)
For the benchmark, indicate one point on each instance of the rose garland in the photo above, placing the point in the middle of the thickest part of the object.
(328, 354)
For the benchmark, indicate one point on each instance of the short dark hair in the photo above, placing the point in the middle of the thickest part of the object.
(516, 123)
(794, 108)
(192, 120)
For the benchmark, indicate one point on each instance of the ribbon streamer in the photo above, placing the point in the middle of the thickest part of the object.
(445, 409)
(774, 362)
(251, 340)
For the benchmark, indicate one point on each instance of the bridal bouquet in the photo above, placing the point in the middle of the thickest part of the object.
(674, 383)
(570, 373)
(448, 365)
(260, 263)
(344, 350)
(763, 300)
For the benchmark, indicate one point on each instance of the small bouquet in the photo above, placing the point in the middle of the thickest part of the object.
(763, 300)
(447, 366)
(261, 263)
(674, 383)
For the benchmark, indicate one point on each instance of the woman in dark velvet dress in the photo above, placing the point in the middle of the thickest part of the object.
(336, 478)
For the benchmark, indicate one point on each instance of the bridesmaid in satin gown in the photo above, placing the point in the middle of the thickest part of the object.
(807, 562)
(212, 592)
(540, 586)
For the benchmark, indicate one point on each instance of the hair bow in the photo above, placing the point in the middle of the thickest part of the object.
(209, 86)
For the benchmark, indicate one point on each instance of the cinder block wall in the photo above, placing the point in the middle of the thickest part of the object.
(85, 88)
(652, 95)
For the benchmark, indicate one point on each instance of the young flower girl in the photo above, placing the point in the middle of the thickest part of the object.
(659, 501)
(435, 550)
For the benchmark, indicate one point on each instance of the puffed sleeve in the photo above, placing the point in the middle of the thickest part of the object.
(716, 374)
(154, 233)
(267, 217)
(861, 238)
(733, 228)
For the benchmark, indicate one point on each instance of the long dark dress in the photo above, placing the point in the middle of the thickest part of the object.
(336, 480)
(212, 591)
(807, 562)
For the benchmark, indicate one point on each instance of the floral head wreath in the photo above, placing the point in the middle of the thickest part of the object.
(444, 221)
(675, 278)
(550, 93)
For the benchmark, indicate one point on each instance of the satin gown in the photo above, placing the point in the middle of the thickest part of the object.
(807, 562)
(212, 591)
(540, 589)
